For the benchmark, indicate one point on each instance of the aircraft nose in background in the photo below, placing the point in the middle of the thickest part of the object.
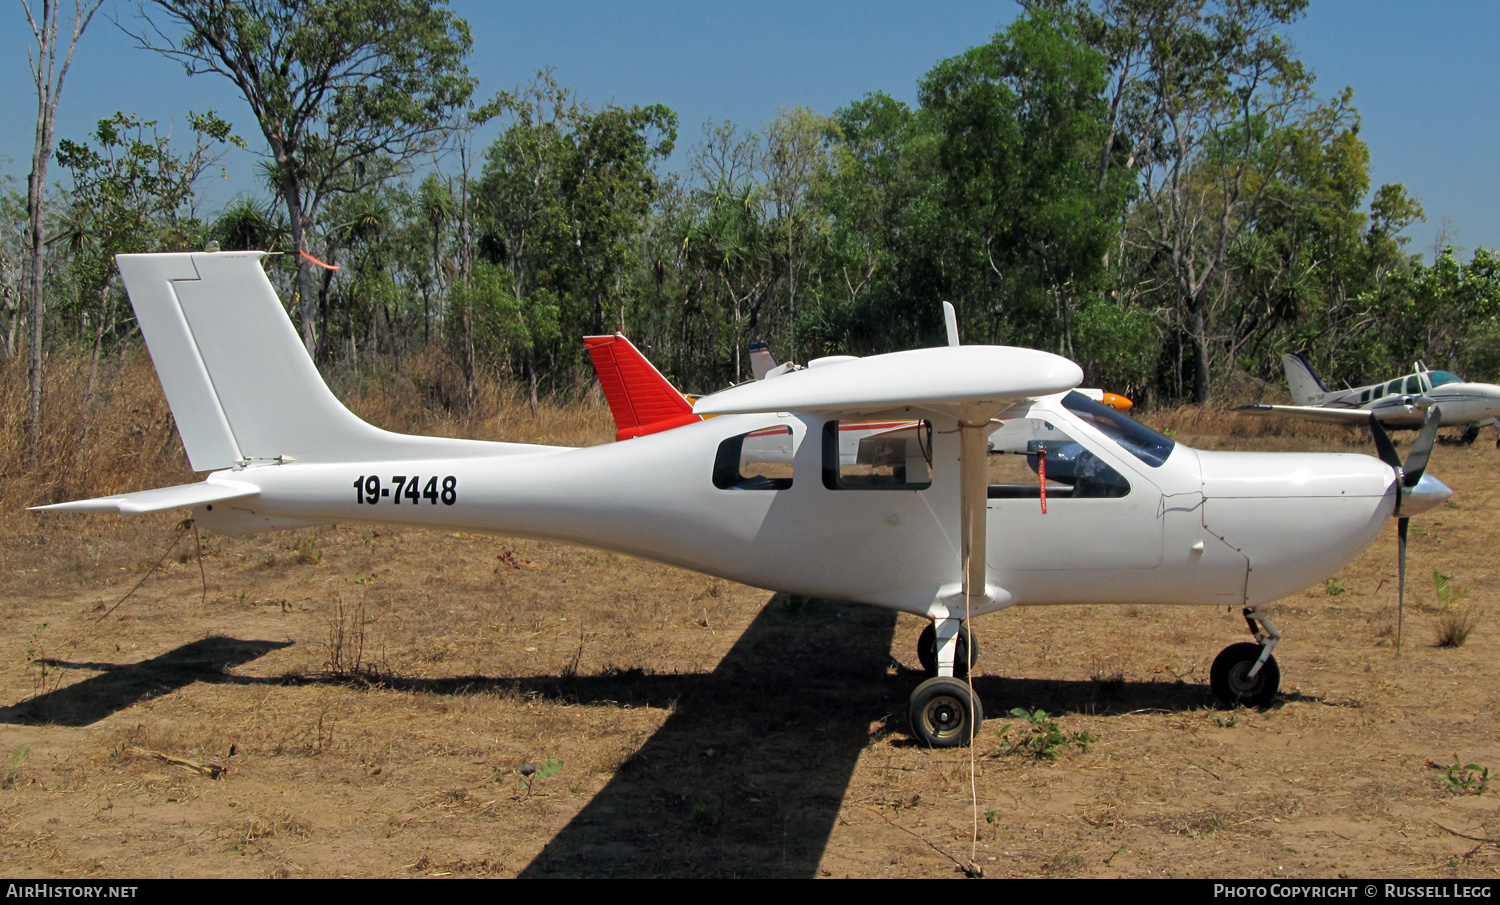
(1428, 493)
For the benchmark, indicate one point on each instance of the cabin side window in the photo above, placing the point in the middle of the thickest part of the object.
(759, 460)
(1022, 449)
(877, 455)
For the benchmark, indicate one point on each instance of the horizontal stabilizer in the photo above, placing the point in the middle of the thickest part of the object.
(160, 499)
(943, 379)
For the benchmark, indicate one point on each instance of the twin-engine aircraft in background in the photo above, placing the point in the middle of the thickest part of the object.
(760, 494)
(1400, 403)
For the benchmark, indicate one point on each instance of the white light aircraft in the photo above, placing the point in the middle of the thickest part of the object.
(945, 534)
(1400, 403)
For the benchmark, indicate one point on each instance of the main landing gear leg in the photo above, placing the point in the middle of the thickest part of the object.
(1246, 674)
(944, 711)
(964, 657)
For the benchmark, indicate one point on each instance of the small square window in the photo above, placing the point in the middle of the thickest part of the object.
(759, 460)
(877, 455)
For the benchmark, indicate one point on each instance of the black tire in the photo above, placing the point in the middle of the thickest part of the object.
(927, 651)
(940, 711)
(1470, 434)
(1230, 681)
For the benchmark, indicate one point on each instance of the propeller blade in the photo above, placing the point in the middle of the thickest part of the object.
(1421, 448)
(1384, 448)
(1401, 577)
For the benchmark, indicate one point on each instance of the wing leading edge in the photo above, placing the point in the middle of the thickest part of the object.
(968, 379)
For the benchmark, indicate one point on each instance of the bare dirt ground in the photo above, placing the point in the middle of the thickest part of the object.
(359, 701)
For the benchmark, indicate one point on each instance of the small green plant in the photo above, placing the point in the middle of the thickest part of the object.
(1333, 587)
(1039, 737)
(531, 773)
(1442, 582)
(1462, 778)
(1455, 622)
(13, 772)
(307, 553)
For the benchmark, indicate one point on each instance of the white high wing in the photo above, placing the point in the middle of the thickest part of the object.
(974, 518)
(1399, 403)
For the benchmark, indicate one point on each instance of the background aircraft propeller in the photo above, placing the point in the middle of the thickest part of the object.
(1408, 475)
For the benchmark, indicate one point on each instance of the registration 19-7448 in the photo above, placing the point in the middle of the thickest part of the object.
(368, 490)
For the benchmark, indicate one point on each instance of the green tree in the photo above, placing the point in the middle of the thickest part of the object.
(131, 193)
(337, 86)
(562, 200)
(1196, 85)
(793, 160)
(47, 73)
(1019, 123)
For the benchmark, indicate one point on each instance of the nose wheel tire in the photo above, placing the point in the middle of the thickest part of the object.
(1232, 683)
(927, 650)
(944, 714)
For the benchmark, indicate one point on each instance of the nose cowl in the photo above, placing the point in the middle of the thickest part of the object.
(1428, 493)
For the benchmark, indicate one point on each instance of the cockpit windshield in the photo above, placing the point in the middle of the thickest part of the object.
(1439, 378)
(1137, 439)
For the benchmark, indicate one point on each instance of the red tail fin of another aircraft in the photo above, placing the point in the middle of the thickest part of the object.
(641, 400)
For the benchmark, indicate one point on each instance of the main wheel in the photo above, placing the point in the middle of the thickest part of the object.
(927, 650)
(940, 713)
(1230, 677)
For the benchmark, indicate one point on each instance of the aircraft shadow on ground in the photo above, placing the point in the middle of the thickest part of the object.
(746, 776)
(122, 685)
(1000, 695)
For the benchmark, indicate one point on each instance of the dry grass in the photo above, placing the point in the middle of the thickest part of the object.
(1455, 624)
(121, 437)
(1210, 428)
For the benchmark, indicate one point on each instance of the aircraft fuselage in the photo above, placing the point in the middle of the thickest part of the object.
(1197, 528)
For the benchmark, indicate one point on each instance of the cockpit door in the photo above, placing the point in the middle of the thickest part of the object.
(1094, 510)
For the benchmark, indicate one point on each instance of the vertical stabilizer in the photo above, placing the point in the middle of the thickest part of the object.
(241, 385)
(762, 362)
(640, 398)
(1302, 380)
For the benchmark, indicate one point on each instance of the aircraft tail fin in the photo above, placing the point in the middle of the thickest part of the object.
(1302, 380)
(640, 398)
(761, 360)
(240, 383)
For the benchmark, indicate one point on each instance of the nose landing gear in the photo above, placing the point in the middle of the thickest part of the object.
(1245, 674)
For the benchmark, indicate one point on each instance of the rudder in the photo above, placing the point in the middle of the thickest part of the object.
(240, 383)
(1302, 380)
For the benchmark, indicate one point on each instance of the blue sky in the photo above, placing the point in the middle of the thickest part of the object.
(1423, 76)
